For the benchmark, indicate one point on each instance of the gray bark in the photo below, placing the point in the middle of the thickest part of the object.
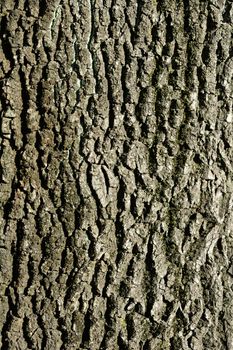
(116, 175)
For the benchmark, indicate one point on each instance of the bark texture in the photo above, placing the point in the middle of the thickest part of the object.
(116, 174)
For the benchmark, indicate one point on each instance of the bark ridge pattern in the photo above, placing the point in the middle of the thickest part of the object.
(116, 174)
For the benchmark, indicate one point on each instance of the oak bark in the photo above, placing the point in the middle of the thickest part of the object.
(116, 174)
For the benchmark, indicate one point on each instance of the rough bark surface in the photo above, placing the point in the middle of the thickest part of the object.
(116, 174)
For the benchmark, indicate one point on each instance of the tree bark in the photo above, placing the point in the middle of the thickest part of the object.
(116, 175)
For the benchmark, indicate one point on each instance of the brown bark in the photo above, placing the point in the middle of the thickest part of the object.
(116, 175)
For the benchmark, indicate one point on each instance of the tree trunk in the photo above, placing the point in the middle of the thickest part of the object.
(116, 175)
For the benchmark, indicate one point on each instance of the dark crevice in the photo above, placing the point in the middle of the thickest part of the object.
(18, 252)
(153, 158)
(219, 53)
(124, 71)
(7, 208)
(70, 286)
(42, 8)
(92, 245)
(133, 205)
(211, 24)
(224, 338)
(120, 237)
(34, 303)
(227, 17)
(108, 280)
(77, 214)
(124, 289)
(87, 325)
(175, 343)
(94, 282)
(26, 333)
(5, 43)
(119, 227)
(93, 28)
(35, 41)
(168, 310)
(201, 90)
(157, 74)
(136, 32)
(145, 129)
(113, 20)
(187, 26)
(40, 98)
(131, 268)
(106, 179)
(206, 55)
(146, 346)
(136, 250)
(129, 127)
(130, 326)
(182, 322)
(150, 267)
(169, 29)
(189, 342)
(157, 329)
(122, 344)
(4, 332)
(62, 209)
(176, 59)
(62, 327)
(123, 158)
(25, 99)
(81, 303)
(27, 8)
(139, 309)
(95, 196)
(197, 159)
(110, 322)
(108, 74)
(40, 163)
(44, 339)
(139, 179)
(64, 254)
(31, 270)
(142, 101)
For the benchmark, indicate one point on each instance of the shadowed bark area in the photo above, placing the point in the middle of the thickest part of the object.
(116, 184)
